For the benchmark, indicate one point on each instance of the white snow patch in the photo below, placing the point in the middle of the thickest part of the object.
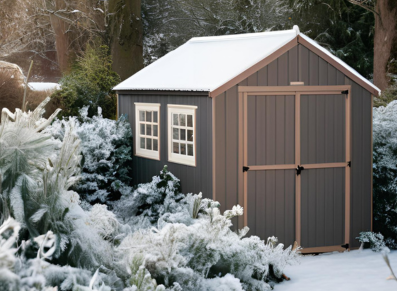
(350, 271)
(43, 86)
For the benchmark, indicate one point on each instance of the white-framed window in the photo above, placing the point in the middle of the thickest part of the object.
(182, 134)
(147, 130)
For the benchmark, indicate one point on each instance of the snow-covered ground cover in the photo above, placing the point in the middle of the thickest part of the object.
(44, 86)
(350, 271)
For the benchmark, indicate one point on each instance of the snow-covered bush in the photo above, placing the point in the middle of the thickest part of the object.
(106, 149)
(187, 242)
(170, 242)
(374, 240)
(385, 172)
(36, 174)
(151, 200)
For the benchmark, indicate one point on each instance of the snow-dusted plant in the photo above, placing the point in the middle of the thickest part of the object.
(8, 279)
(385, 172)
(151, 200)
(37, 173)
(374, 240)
(106, 148)
(192, 252)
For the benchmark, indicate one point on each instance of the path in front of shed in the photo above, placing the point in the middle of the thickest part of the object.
(350, 271)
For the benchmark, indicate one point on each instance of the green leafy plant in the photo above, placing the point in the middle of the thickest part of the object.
(90, 84)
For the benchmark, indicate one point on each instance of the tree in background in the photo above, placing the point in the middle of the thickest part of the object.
(384, 23)
(125, 34)
(116, 22)
(170, 23)
(90, 84)
(68, 25)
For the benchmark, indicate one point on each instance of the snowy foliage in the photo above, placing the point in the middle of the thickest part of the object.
(385, 172)
(375, 240)
(191, 244)
(155, 239)
(106, 149)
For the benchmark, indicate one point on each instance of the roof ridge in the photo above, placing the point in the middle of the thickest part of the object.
(239, 36)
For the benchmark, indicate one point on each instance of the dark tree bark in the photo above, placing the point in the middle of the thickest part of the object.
(384, 39)
(125, 31)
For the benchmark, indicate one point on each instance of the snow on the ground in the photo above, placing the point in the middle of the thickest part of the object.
(354, 270)
(43, 86)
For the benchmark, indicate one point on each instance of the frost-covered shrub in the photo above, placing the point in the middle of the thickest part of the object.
(151, 200)
(36, 174)
(198, 253)
(385, 172)
(374, 240)
(106, 149)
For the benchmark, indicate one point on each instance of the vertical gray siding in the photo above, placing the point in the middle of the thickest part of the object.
(271, 130)
(323, 129)
(298, 64)
(323, 200)
(271, 204)
(193, 179)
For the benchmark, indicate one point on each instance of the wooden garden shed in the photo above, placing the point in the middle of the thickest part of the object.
(271, 121)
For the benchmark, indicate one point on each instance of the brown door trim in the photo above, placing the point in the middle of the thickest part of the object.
(325, 165)
(298, 178)
(244, 92)
(257, 90)
(326, 249)
(272, 167)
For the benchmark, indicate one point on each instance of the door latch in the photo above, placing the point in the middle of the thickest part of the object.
(299, 169)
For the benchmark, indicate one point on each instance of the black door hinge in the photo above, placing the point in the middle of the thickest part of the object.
(345, 92)
(299, 169)
(349, 163)
(245, 169)
(346, 246)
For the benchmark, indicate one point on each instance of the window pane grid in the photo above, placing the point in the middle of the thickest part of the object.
(148, 130)
(182, 134)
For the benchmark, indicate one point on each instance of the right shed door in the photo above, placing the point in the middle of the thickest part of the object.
(323, 164)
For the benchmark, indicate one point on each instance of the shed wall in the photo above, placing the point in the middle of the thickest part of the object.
(193, 179)
(298, 64)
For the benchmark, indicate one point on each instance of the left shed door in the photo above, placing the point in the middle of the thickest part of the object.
(270, 145)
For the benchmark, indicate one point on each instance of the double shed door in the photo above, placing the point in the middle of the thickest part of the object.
(296, 168)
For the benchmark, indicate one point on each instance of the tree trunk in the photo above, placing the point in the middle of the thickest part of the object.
(64, 36)
(125, 31)
(384, 38)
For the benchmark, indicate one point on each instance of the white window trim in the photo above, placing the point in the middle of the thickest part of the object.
(178, 158)
(150, 154)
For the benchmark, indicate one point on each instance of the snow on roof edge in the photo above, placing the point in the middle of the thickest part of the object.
(338, 60)
(163, 89)
(238, 36)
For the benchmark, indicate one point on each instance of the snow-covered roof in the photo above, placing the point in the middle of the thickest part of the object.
(207, 63)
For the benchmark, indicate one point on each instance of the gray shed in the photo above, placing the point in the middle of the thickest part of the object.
(271, 121)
